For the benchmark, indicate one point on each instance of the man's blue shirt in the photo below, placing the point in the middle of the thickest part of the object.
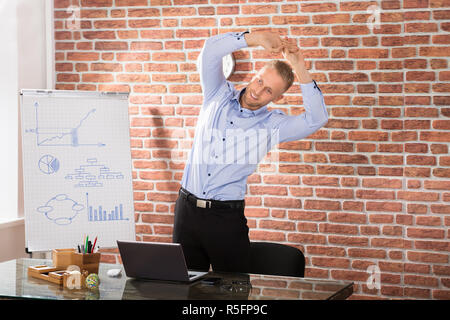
(230, 140)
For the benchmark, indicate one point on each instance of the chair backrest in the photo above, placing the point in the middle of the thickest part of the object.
(276, 259)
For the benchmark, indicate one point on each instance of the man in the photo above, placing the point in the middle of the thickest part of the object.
(209, 211)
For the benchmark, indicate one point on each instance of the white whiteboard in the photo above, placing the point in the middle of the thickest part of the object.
(77, 172)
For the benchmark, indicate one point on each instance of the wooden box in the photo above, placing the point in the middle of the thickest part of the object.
(45, 273)
(61, 277)
(62, 258)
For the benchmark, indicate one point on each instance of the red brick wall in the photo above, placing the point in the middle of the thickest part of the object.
(369, 188)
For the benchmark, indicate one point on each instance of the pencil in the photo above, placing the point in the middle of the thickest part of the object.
(93, 247)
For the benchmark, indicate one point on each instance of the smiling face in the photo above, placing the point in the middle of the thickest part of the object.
(266, 86)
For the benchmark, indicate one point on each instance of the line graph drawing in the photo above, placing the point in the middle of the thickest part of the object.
(92, 174)
(61, 209)
(60, 136)
(99, 214)
(48, 164)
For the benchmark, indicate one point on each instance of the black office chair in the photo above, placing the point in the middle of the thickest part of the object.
(276, 259)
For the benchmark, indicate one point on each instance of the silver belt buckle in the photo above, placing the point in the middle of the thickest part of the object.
(202, 203)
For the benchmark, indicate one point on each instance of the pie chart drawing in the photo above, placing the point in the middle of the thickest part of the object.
(48, 164)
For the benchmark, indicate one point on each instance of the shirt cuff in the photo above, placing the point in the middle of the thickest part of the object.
(310, 89)
(240, 38)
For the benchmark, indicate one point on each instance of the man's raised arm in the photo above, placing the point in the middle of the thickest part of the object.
(209, 61)
(315, 116)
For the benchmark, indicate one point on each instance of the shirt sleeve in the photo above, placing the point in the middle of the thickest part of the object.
(292, 128)
(209, 62)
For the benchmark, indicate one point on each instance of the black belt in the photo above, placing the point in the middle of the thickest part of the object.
(209, 203)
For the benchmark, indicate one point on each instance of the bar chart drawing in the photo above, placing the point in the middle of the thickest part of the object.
(60, 136)
(100, 214)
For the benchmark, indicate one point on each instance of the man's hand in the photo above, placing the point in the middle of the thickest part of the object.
(271, 41)
(292, 53)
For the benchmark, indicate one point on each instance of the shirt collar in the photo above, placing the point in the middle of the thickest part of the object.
(237, 94)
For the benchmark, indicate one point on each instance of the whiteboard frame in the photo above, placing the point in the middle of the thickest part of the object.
(71, 93)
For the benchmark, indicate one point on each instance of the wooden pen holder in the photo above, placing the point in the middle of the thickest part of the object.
(63, 258)
(86, 261)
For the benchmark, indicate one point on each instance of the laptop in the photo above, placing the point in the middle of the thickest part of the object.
(156, 261)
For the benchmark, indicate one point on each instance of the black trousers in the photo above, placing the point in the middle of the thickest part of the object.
(212, 236)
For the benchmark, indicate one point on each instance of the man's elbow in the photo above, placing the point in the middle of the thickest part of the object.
(325, 121)
(319, 124)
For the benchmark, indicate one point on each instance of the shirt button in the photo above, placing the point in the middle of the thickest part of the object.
(231, 122)
(209, 174)
(223, 139)
(204, 192)
(241, 110)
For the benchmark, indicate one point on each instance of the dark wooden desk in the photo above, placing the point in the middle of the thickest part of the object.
(14, 283)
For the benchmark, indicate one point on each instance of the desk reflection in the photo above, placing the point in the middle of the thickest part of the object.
(235, 287)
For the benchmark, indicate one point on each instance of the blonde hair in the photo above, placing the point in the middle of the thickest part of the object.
(284, 70)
